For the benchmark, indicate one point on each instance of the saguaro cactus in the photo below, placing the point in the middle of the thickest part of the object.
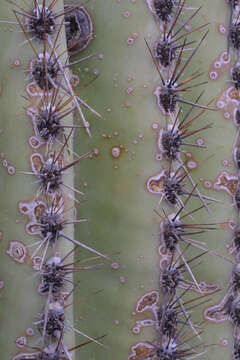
(121, 182)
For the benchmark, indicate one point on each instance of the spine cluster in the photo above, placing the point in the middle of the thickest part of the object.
(51, 102)
(174, 49)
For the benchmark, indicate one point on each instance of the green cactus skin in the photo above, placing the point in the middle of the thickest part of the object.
(116, 203)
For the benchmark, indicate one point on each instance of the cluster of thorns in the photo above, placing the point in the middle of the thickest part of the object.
(42, 24)
(174, 325)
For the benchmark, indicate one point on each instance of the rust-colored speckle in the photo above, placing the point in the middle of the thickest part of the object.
(155, 183)
(222, 29)
(224, 182)
(21, 342)
(32, 210)
(205, 288)
(224, 343)
(29, 332)
(17, 251)
(164, 255)
(36, 262)
(190, 161)
(147, 301)
(220, 65)
(34, 142)
(217, 313)
(16, 63)
(141, 351)
(116, 151)
(36, 162)
(227, 102)
(33, 90)
(38, 211)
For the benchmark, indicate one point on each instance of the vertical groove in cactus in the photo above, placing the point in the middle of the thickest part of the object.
(21, 303)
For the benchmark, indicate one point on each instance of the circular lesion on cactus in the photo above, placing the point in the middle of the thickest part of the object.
(17, 251)
(147, 301)
(79, 28)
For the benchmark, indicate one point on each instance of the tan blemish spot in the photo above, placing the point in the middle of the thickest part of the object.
(1, 235)
(16, 63)
(130, 40)
(215, 314)
(32, 89)
(29, 332)
(96, 152)
(227, 102)
(17, 251)
(34, 142)
(32, 210)
(206, 288)
(115, 265)
(224, 343)
(21, 342)
(140, 324)
(147, 301)
(224, 182)
(116, 151)
(155, 126)
(222, 29)
(191, 163)
(38, 211)
(36, 262)
(11, 170)
(155, 183)
(130, 91)
(220, 65)
(36, 162)
(141, 351)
